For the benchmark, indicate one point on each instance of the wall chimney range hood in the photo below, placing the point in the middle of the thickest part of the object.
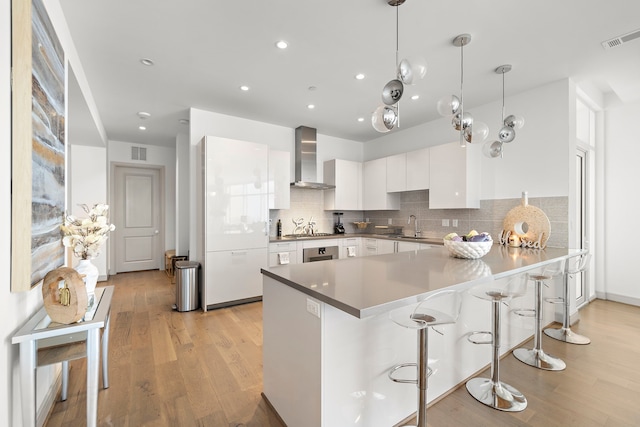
(305, 160)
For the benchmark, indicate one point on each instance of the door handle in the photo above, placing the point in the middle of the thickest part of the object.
(156, 232)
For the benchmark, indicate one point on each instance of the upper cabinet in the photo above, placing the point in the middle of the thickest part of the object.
(408, 171)
(454, 177)
(418, 169)
(279, 179)
(375, 196)
(346, 175)
(397, 173)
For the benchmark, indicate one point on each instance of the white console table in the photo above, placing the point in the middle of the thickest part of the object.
(40, 331)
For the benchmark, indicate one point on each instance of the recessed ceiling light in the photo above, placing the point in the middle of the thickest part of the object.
(414, 97)
(244, 88)
(359, 76)
(143, 115)
(361, 119)
(142, 127)
(281, 44)
(148, 62)
(311, 106)
(184, 121)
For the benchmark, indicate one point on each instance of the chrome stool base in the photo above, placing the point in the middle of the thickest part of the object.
(539, 359)
(498, 395)
(567, 335)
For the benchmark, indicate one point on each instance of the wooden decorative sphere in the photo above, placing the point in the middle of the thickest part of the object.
(54, 299)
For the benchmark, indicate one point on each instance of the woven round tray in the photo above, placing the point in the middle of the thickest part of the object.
(468, 250)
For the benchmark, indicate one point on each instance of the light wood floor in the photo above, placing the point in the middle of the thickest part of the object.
(205, 369)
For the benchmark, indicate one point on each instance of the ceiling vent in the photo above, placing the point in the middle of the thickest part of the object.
(620, 40)
(138, 153)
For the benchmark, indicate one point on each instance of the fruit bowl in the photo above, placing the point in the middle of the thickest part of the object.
(468, 250)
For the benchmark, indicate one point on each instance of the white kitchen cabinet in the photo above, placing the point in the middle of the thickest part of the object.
(369, 247)
(407, 246)
(375, 196)
(397, 173)
(387, 246)
(279, 179)
(346, 175)
(418, 169)
(233, 277)
(354, 243)
(235, 214)
(408, 171)
(454, 175)
(281, 253)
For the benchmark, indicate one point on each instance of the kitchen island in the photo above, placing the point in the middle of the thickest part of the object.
(328, 341)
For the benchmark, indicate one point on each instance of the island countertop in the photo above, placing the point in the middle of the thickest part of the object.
(368, 286)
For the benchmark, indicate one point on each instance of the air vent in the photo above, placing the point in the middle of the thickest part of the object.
(138, 153)
(620, 40)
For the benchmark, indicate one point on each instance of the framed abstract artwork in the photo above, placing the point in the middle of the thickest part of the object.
(38, 97)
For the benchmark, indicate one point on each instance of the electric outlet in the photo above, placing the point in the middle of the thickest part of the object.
(454, 222)
(445, 222)
(389, 221)
(313, 307)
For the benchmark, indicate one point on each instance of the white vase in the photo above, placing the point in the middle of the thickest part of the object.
(90, 271)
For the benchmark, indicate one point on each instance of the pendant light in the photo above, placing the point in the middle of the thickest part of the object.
(408, 71)
(507, 132)
(454, 106)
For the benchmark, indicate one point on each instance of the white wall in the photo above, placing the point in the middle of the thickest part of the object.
(622, 205)
(536, 161)
(120, 152)
(15, 308)
(281, 138)
(87, 183)
(182, 195)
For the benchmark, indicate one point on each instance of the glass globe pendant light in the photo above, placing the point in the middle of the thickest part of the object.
(408, 71)
(507, 132)
(453, 105)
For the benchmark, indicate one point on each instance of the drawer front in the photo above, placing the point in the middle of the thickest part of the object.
(282, 247)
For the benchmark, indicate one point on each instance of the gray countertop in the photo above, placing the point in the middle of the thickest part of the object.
(368, 286)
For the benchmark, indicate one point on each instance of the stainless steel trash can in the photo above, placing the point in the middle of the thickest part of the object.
(187, 289)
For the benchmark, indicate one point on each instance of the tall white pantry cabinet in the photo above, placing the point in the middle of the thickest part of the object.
(236, 214)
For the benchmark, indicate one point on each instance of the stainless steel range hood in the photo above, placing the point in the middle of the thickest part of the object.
(305, 158)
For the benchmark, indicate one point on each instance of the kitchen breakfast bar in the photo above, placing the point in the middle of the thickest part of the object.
(329, 343)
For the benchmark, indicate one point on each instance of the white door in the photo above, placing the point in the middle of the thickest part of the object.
(137, 218)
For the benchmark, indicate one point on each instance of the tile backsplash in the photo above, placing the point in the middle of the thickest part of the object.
(310, 203)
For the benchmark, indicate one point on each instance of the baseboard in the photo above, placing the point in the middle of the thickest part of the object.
(618, 298)
(49, 400)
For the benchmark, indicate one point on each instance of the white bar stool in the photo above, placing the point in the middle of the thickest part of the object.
(440, 308)
(536, 356)
(565, 333)
(491, 391)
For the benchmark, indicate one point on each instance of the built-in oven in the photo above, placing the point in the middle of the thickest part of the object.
(320, 254)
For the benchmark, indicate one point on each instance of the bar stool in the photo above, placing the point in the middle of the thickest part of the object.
(440, 308)
(491, 391)
(565, 333)
(536, 356)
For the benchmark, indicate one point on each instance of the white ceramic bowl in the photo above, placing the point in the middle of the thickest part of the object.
(468, 250)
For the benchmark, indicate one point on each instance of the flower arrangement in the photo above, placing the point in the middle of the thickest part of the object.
(85, 235)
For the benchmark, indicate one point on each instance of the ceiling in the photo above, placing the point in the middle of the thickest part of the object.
(204, 50)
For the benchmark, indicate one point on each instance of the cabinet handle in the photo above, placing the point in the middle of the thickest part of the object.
(235, 253)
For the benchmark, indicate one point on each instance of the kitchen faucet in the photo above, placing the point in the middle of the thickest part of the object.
(416, 232)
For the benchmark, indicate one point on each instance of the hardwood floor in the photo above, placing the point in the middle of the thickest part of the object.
(205, 369)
